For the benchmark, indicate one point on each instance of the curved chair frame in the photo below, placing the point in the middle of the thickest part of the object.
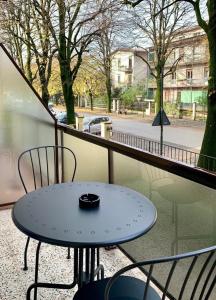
(29, 151)
(41, 176)
(205, 289)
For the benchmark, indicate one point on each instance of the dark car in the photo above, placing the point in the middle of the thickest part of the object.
(62, 117)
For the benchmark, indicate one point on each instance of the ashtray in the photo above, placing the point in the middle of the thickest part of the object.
(89, 201)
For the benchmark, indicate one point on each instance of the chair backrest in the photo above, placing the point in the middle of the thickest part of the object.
(45, 165)
(195, 283)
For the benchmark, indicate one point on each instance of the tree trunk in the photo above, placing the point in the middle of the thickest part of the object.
(44, 83)
(91, 99)
(109, 93)
(158, 94)
(28, 65)
(45, 93)
(69, 97)
(209, 141)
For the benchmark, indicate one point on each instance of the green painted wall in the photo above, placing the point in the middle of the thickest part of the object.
(193, 96)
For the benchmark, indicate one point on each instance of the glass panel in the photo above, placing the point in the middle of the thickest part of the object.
(92, 160)
(24, 123)
(186, 213)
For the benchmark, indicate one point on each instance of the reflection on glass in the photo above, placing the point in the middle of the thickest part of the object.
(92, 160)
(186, 213)
(24, 123)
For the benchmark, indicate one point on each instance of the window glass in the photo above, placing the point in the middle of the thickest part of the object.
(188, 54)
(189, 73)
(206, 72)
(151, 56)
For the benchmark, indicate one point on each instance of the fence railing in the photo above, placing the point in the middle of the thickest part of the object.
(169, 151)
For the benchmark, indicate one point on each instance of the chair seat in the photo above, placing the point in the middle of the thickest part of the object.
(125, 288)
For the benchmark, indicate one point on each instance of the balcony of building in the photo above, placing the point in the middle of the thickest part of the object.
(185, 197)
(125, 69)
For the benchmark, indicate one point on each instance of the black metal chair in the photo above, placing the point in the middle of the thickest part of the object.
(42, 166)
(196, 282)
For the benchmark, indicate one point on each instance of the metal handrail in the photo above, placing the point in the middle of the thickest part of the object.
(172, 152)
(188, 172)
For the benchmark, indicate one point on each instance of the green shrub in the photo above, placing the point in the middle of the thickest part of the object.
(171, 108)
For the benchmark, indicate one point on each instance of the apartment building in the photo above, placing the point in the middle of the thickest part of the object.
(128, 68)
(189, 82)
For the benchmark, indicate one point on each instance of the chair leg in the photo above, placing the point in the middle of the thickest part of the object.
(36, 269)
(68, 256)
(25, 268)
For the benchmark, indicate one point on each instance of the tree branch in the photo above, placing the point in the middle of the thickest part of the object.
(145, 61)
(133, 4)
(174, 66)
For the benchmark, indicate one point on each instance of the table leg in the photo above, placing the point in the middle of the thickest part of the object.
(80, 266)
(68, 255)
(89, 268)
(99, 272)
(87, 262)
(98, 262)
(92, 266)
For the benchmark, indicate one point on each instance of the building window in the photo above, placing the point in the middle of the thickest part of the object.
(151, 56)
(129, 79)
(197, 52)
(189, 74)
(119, 78)
(119, 62)
(206, 73)
(173, 76)
(181, 51)
(130, 62)
(197, 33)
(188, 54)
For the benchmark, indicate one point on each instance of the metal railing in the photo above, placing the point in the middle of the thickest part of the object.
(169, 151)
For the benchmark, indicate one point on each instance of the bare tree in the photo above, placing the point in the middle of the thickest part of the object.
(73, 27)
(32, 43)
(160, 30)
(106, 43)
(205, 12)
(10, 30)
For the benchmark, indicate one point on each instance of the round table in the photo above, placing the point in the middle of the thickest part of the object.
(52, 215)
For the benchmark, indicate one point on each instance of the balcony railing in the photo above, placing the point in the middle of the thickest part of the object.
(125, 69)
(168, 151)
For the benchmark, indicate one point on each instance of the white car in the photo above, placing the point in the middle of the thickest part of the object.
(93, 124)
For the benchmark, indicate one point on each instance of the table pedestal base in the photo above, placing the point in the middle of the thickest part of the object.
(86, 267)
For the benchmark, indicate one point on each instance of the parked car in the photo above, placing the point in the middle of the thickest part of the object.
(62, 117)
(93, 124)
(52, 109)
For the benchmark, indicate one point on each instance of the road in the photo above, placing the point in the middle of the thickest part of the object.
(182, 136)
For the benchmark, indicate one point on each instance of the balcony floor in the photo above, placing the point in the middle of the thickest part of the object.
(54, 266)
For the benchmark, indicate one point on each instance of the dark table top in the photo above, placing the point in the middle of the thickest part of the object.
(52, 215)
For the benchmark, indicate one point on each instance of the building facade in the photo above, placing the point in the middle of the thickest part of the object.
(128, 68)
(188, 83)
